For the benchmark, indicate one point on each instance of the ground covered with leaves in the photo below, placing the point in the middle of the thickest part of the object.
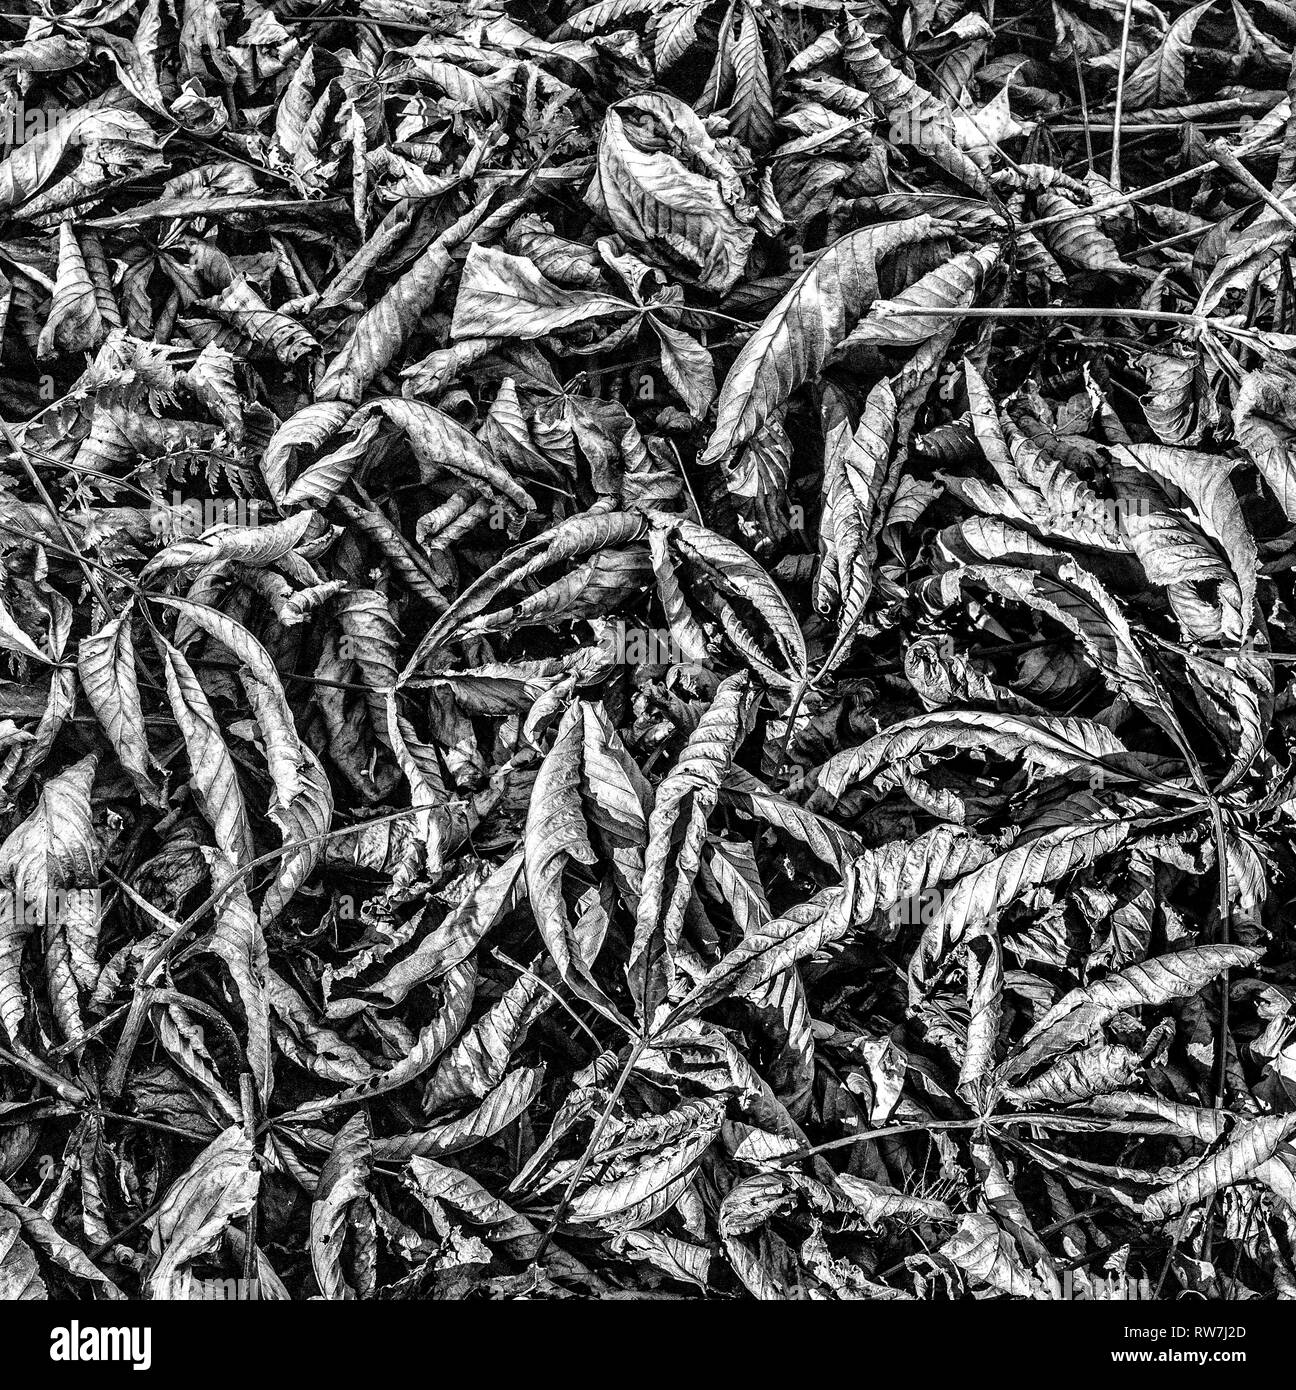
(647, 649)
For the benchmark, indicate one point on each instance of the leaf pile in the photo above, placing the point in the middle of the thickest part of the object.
(647, 649)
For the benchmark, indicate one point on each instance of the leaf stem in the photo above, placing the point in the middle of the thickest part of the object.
(43, 494)
(569, 1191)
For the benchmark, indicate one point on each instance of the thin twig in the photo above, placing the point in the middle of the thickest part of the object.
(1228, 161)
(1084, 97)
(1122, 200)
(1115, 177)
(33, 1066)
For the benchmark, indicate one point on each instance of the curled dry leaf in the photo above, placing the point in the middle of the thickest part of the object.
(220, 1187)
(667, 187)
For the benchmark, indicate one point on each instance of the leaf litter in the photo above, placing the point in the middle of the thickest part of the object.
(647, 650)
